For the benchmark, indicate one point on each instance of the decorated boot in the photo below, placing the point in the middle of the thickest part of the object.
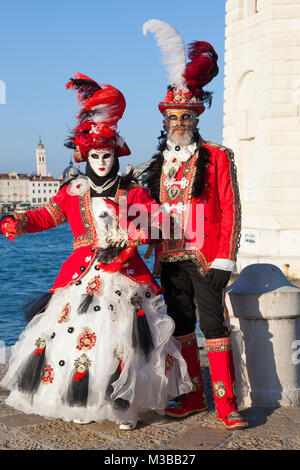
(195, 401)
(223, 377)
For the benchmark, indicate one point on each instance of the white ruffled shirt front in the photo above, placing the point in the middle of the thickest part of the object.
(175, 158)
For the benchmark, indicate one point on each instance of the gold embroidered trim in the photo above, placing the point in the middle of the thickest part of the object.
(218, 344)
(219, 389)
(237, 223)
(196, 382)
(194, 255)
(236, 227)
(82, 363)
(234, 415)
(56, 213)
(173, 250)
(48, 375)
(187, 340)
(87, 219)
(86, 340)
(21, 226)
(189, 170)
(95, 286)
(65, 314)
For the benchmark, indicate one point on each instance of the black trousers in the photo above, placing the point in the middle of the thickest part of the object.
(184, 286)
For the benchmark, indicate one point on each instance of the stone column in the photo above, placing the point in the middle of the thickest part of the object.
(264, 315)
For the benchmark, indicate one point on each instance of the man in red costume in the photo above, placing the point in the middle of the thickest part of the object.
(195, 179)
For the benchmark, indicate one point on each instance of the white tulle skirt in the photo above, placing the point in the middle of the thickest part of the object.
(86, 365)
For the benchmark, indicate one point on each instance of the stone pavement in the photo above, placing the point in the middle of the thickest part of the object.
(269, 429)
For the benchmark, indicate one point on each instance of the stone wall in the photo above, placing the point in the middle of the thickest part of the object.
(262, 126)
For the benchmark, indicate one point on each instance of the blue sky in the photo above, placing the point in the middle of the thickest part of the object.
(44, 43)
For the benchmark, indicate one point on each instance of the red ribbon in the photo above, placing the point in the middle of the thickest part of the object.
(79, 375)
(38, 351)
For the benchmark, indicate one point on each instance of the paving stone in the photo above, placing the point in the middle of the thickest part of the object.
(80, 440)
(18, 420)
(12, 439)
(143, 437)
(3, 392)
(198, 438)
(44, 429)
(3, 370)
(7, 410)
(269, 429)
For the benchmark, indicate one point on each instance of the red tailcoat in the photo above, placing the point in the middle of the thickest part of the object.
(217, 240)
(77, 211)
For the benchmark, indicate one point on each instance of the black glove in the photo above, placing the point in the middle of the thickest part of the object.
(218, 278)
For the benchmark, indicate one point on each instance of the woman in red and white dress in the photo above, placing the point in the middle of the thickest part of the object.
(101, 346)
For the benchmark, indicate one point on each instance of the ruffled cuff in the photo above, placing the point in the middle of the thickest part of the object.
(224, 264)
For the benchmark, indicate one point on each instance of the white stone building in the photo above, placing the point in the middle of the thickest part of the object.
(21, 190)
(262, 126)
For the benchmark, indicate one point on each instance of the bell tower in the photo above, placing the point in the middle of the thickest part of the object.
(41, 165)
(262, 126)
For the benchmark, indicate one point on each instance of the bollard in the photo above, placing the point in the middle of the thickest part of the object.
(264, 315)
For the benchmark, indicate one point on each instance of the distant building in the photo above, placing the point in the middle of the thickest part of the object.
(70, 172)
(19, 191)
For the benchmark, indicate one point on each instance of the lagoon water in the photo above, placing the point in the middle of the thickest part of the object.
(29, 267)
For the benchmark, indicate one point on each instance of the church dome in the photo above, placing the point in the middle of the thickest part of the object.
(70, 172)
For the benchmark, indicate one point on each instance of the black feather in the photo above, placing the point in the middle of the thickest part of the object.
(31, 375)
(106, 255)
(86, 302)
(85, 87)
(78, 391)
(141, 335)
(201, 168)
(36, 306)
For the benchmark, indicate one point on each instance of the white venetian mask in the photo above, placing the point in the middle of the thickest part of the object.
(101, 160)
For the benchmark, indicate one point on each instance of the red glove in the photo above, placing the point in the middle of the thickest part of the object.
(8, 226)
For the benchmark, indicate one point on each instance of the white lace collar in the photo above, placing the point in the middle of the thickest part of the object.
(181, 153)
(175, 155)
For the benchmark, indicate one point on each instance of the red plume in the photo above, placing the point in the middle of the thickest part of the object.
(85, 86)
(105, 99)
(111, 101)
(202, 67)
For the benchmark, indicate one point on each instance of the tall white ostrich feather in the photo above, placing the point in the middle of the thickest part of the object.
(172, 48)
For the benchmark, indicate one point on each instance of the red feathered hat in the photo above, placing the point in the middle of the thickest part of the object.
(102, 108)
(186, 79)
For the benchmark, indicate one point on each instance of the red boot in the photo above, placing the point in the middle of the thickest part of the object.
(195, 401)
(223, 377)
